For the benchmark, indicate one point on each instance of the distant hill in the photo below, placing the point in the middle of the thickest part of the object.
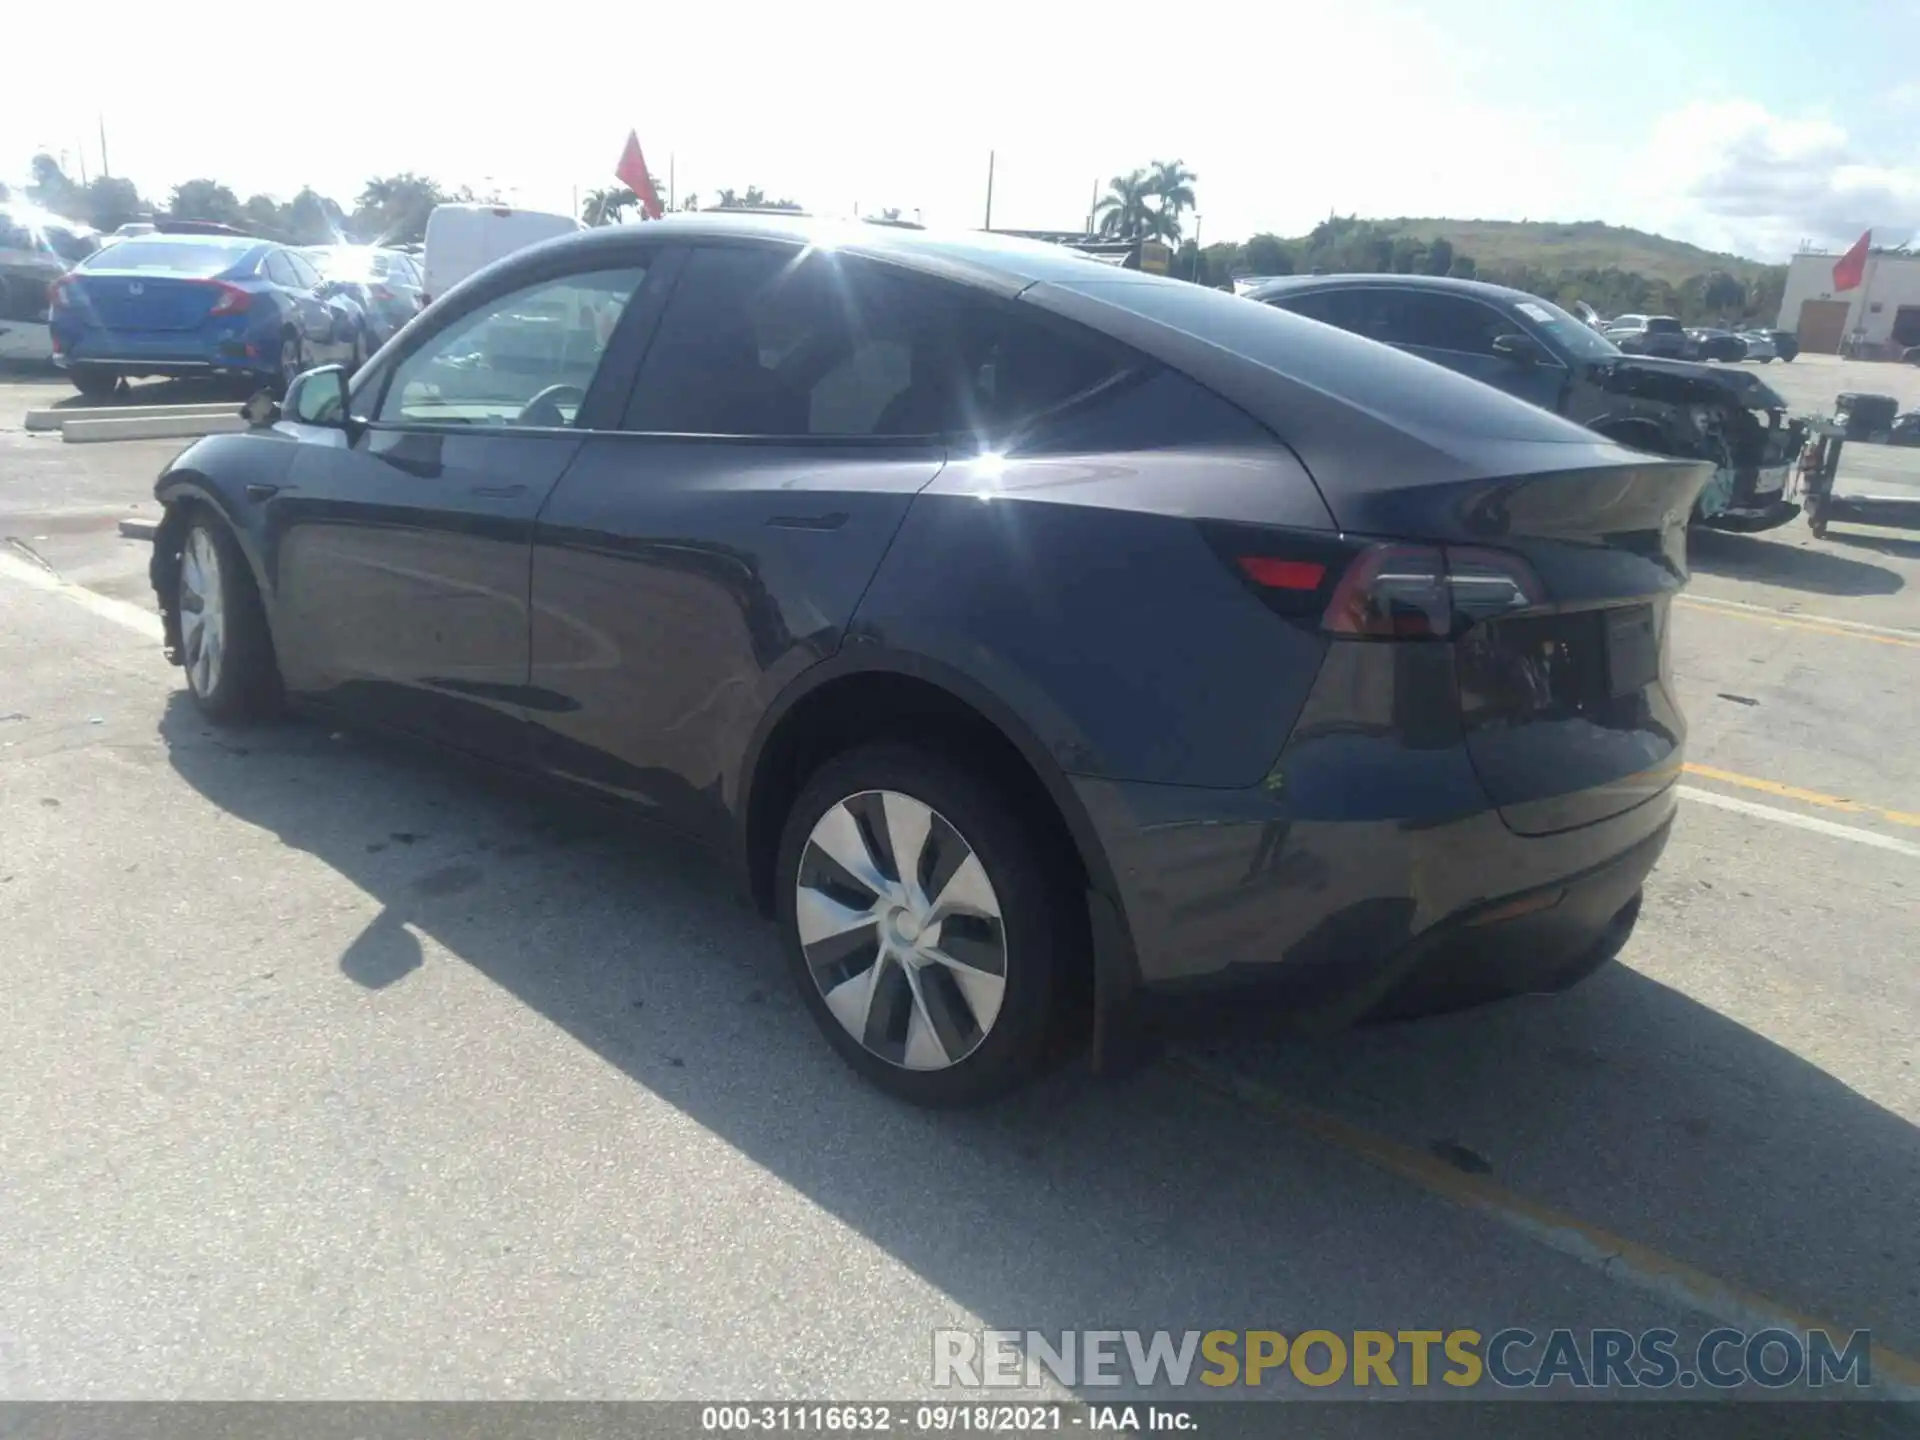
(1582, 245)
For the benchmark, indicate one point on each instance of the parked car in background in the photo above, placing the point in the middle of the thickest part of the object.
(1535, 350)
(1706, 343)
(464, 239)
(37, 247)
(1786, 344)
(183, 305)
(719, 550)
(1760, 345)
(386, 284)
(1658, 335)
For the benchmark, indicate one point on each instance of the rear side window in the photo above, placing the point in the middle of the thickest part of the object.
(1663, 325)
(280, 270)
(770, 342)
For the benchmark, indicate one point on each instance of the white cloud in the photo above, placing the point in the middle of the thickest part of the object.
(1736, 176)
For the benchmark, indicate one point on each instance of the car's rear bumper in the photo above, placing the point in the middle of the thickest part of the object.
(160, 352)
(1233, 909)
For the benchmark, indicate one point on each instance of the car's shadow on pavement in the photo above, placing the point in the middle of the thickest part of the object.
(1767, 561)
(1143, 1202)
(1881, 544)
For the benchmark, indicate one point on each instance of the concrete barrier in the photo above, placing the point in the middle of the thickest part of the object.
(59, 419)
(158, 427)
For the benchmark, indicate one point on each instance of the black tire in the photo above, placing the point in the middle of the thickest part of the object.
(1034, 904)
(246, 684)
(94, 382)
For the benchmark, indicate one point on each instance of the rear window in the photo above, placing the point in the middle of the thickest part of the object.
(167, 257)
(1663, 325)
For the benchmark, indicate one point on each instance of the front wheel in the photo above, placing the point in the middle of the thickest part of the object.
(224, 646)
(922, 923)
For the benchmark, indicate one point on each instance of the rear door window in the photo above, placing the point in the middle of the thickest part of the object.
(280, 271)
(770, 342)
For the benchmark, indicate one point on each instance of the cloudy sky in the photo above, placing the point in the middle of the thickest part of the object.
(1748, 125)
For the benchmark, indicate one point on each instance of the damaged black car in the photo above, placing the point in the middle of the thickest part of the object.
(1533, 349)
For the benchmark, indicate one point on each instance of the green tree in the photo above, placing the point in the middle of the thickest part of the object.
(1723, 294)
(605, 207)
(313, 219)
(1463, 268)
(1268, 255)
(205, 200)
(50, 188)
(264, 214)
(111, 201)
(393, 209)
(1439, 256)
(1126, 211)
(1171, 185)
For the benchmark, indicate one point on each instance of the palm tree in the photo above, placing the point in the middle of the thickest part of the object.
(690, 202)
(1123, 211)
(727, 199)
(605, 207)
(1172, 184)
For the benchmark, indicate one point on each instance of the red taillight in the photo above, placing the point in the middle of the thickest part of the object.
(231, 300)
(1283, 574)
(62, 292)
(381, 292)
(1419, 592)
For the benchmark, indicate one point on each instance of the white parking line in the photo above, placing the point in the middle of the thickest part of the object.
(128, 617)
(1803, 822)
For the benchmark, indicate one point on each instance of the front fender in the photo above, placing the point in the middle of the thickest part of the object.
(213, 474)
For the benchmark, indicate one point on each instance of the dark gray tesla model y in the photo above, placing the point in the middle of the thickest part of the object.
(1050, 646)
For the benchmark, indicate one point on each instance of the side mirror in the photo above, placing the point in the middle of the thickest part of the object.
(1518, 348)
(318, 397)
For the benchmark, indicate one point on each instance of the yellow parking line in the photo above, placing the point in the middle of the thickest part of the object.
(1789, 622)
(1614, 1256)
(1805, 797)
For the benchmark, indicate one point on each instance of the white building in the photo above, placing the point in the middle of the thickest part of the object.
(1883, 311)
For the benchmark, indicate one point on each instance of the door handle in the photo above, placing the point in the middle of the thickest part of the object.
(258, 493)
(499, 492)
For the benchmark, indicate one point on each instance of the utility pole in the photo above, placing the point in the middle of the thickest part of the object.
(83, 164)
(989, 224)
(1093, 206)
(670, 176)
(1196, 247)
(105, 169)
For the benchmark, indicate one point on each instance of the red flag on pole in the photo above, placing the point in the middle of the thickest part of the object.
(1851, 268)
(632, 172)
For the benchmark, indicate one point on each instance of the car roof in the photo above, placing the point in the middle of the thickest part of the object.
(1361, 416)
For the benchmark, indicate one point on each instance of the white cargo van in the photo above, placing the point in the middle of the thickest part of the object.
(462, 239)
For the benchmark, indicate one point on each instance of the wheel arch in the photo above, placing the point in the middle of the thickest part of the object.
(874, 694)
(182, 493)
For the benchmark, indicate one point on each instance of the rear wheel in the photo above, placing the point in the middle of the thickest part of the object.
(224, 646)
(95, 383)
(923, 924)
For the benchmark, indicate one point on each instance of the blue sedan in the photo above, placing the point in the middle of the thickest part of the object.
(189, 305)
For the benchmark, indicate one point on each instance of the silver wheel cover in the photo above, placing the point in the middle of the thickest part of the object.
(203, 630)
(901, 929)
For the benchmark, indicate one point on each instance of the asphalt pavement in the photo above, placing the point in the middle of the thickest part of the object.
(337, 1073)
